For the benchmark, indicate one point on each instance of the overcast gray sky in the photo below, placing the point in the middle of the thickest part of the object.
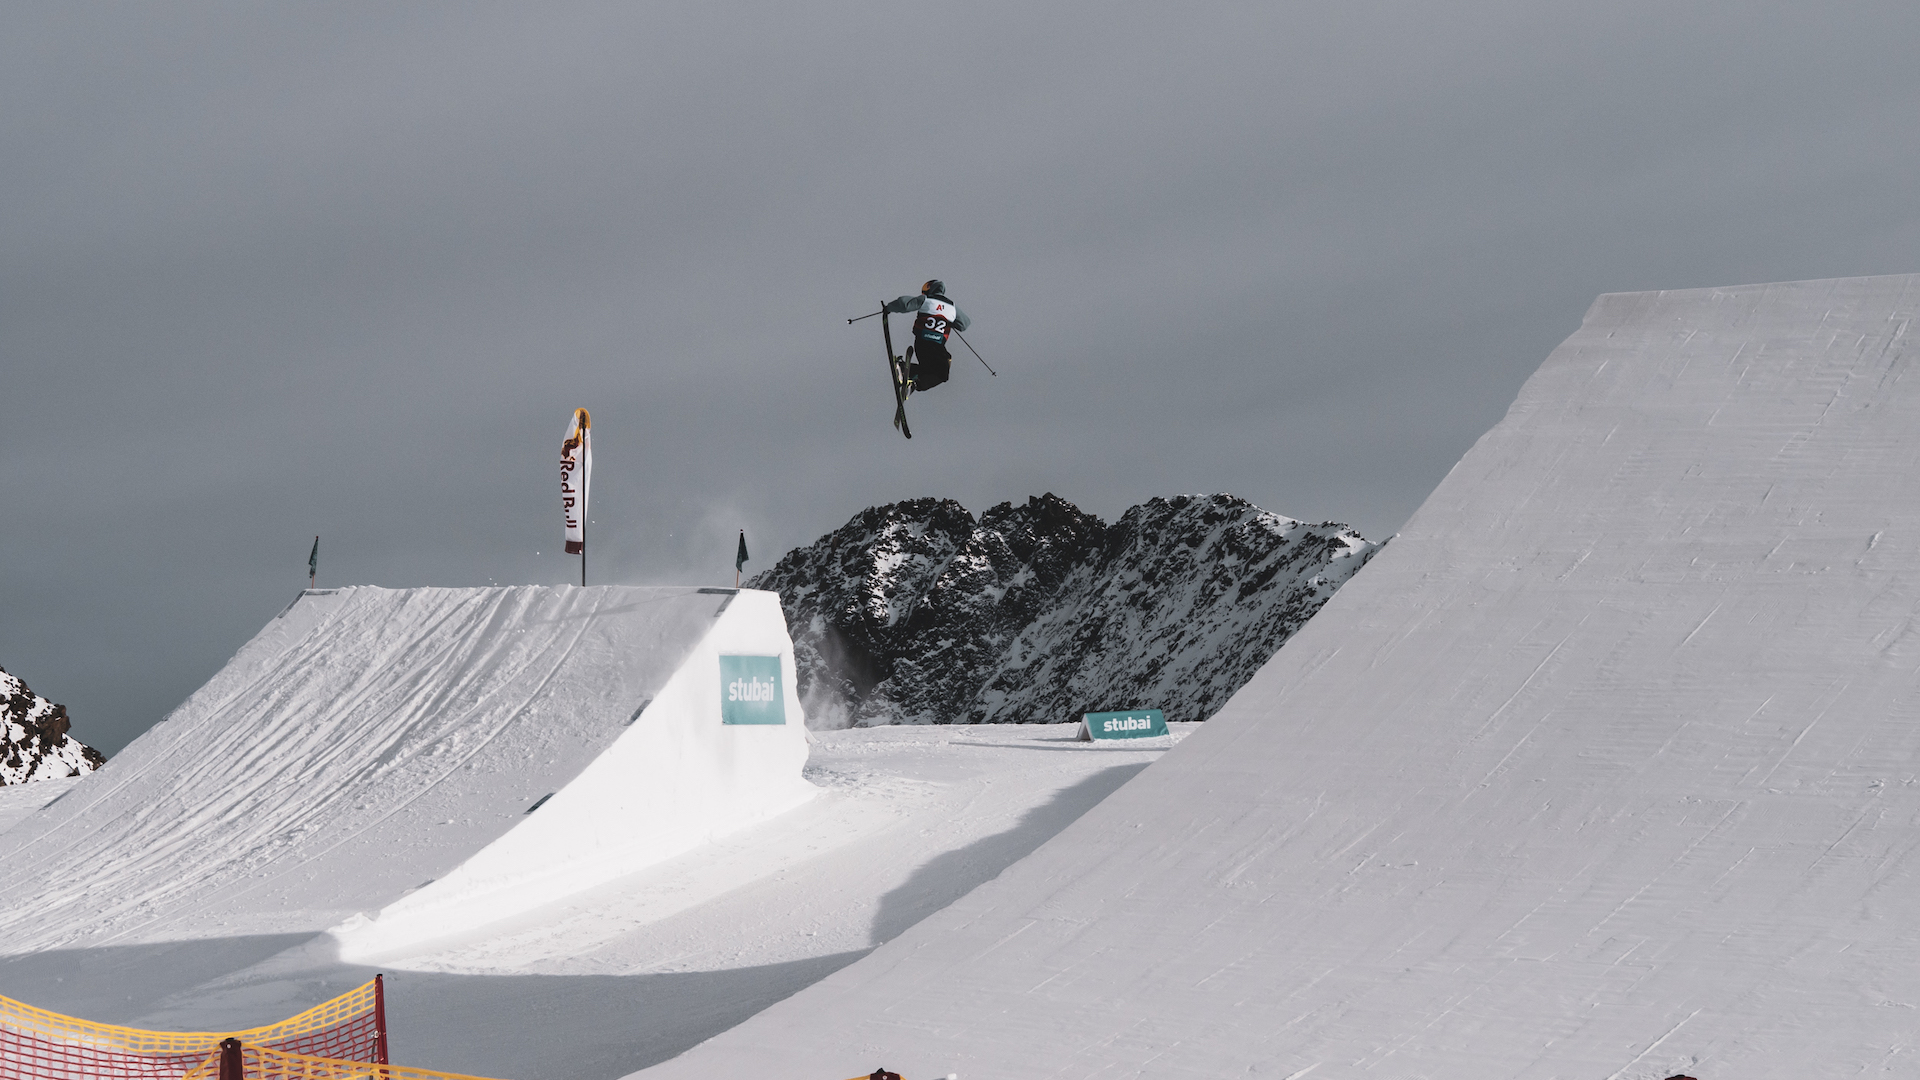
(274, 270)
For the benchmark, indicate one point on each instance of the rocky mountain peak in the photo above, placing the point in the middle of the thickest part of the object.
(34, 744)
(918, 612)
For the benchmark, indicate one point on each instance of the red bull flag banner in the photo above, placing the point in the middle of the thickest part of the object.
(576, 467)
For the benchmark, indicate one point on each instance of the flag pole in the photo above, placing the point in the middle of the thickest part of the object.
(586, 492)
(576, 468)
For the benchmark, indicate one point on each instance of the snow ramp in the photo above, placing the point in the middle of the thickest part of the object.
(373, 748)
(1607, 766)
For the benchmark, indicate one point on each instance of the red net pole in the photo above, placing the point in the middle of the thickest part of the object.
(231, 1067)
(379, 1022)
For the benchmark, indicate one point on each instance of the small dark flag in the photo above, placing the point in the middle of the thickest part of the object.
(740, 558)
(313, 562)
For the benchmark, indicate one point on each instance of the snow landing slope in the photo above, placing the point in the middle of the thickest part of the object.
(1608, 766)
(369, 742)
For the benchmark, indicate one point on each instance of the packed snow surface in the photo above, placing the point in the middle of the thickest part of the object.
(372, 757)
(19, 801)
(351, 793)
(1608, 766)
(636, 970)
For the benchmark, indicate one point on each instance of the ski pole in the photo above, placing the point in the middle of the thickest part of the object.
(976, 354)
(869, 315)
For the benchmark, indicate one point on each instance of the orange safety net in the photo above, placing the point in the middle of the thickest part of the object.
(36, 1044)
(260, 1063)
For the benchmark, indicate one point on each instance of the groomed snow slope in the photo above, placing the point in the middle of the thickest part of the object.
(1607, 767)
(369, 741)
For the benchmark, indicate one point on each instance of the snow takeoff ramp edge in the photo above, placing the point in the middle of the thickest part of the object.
(1608, 766)
(378, 749)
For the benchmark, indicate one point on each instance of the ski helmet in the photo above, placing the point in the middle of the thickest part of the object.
(934, 286)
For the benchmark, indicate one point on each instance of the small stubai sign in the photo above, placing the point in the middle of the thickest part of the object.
(750, 690)
(1131, 724)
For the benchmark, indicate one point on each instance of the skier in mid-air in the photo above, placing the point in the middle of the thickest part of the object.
(928, 361)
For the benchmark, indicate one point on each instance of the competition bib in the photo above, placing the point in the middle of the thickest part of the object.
(935, 318)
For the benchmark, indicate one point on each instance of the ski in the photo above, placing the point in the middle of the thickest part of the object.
(897, 372)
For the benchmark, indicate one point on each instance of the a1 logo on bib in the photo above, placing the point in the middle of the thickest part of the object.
(1132, 724)
(750, 690)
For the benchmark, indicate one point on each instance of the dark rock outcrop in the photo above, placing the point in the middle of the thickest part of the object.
(918, 613)
(34, 744)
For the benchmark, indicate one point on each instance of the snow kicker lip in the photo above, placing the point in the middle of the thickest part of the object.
(678, 775)
(371, 738)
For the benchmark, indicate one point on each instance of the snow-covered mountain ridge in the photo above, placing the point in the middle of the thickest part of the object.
(34, 744)
(915, 612)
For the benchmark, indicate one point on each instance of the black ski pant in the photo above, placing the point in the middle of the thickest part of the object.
(932, 363)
